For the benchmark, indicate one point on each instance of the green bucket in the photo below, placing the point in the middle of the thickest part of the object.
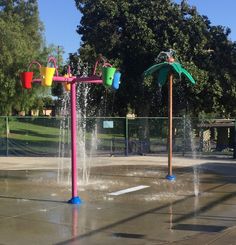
(108, 75)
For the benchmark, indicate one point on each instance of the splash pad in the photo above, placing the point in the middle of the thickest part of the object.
(48, 75)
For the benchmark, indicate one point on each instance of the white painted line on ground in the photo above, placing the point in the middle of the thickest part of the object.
(136, 188)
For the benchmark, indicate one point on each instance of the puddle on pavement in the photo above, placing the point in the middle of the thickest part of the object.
(104, 180)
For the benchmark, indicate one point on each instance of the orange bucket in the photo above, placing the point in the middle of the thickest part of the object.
(66, 84)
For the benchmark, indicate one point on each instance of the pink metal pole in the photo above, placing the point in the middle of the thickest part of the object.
(73, 81)
(73, 140)
(75, 199)
(58, 79)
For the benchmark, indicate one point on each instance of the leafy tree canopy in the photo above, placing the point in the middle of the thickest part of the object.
(21, 42)
(132, 33)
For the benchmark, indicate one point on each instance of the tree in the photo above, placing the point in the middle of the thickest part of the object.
(133, 32)
(222, 72)
(20, 42)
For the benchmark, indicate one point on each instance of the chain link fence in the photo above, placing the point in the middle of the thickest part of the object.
(50, 136)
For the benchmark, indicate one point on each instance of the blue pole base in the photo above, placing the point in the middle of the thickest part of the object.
(75, 200)
(170, 177)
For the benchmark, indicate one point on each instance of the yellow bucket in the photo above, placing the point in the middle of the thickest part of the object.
(47, 74)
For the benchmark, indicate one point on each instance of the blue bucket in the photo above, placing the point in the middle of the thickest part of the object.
(116, 80)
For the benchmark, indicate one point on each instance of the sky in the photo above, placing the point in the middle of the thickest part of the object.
(61, 18)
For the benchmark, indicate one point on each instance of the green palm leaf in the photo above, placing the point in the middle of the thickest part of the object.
(155, 68)
(176, 67)
(163, 71)
(188, 76)
(163, 75)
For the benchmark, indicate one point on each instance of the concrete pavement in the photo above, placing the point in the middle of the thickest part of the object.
(199, 207)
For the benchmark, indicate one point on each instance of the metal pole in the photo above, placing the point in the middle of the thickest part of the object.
(126, 136)
(184, 132)
(112, 147)
(68, 134)
(7, 136)
(75, 199)
(170, 126)
(234, 155)
(170, 176)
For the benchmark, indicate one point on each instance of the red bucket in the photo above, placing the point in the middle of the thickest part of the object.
(26, 79)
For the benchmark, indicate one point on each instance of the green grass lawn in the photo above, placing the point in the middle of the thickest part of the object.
(32, 136)
(31, 132)
(27, 137)
(37, 136)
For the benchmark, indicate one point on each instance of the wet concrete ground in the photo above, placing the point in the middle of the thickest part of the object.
(34, 209)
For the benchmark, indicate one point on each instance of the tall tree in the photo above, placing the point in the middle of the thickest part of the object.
(21, 41)
(133, 32)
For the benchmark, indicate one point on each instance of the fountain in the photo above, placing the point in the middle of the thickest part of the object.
(191, 136)
(85, 145)
(109, 77)
(62, 172)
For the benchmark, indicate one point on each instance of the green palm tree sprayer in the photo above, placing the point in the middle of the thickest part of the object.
(167, 68)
